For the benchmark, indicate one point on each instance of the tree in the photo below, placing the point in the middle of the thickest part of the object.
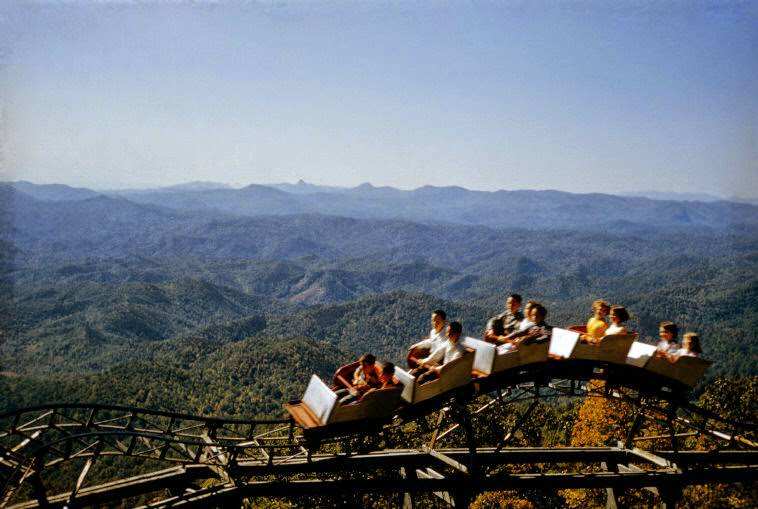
(500, 500)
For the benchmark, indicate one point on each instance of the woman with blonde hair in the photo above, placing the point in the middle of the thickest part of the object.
(596, 325)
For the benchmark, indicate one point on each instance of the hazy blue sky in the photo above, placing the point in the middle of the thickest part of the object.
(578, 96)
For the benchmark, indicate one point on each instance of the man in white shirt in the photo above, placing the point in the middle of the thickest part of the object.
(437, 337)
(430, 367)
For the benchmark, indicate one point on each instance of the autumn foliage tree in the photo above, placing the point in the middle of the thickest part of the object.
(734, 399)
(501, 500)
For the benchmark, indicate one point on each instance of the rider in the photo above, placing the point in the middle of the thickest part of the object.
(430, 367)
(436, 338)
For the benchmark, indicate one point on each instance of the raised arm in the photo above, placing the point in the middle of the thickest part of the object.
(434, 358)
(424, 343)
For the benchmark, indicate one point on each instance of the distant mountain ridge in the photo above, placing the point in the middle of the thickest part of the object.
(198, 185)
(52, 192)
(107, 226)
(428, 204)
(530, 209)
(703, 197)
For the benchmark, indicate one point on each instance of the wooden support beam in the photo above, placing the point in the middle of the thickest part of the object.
(517, 425)
(478, 411)
(670, 496)
(636, 425)
(651, 458)
(705, 469)
(124, 488)
(427, 482)
(70, 502)
(660, 437)
(433, 474)
(220, 469)
(457, 465)
(407, 473)
(440, 417)
(611, 501)
(39, 491)
(631, 468)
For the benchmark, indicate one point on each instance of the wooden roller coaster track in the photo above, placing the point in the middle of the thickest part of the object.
(273, 457)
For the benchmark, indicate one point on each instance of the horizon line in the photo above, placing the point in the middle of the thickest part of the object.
(694, 196)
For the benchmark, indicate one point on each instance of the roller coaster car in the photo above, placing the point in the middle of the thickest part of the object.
(613, 348)
(686, 370)
(490, 358)
(320, 406)
(454, 374)
(581, 329)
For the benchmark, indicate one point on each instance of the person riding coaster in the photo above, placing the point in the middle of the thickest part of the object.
(365, 377)
(437, 337)
(386, 391)
(429, 367)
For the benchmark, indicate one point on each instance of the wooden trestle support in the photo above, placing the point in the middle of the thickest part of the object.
(220, 462)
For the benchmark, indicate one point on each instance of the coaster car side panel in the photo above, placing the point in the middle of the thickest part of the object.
(612, 348)
(452, 375)
(686, 370)
(531, 353)
(373, 405)
(484, 354)
(490, 358)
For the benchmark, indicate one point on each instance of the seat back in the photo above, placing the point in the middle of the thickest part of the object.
(409, 384)
(640, 354)
(562, 343)
(320, 399)
(484, 354)
(417, 353)
(345, 372)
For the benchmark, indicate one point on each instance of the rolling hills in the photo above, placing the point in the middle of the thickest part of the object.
(227, 310)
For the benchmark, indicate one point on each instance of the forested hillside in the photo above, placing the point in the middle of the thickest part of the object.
(216, 301)
(104, 292)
